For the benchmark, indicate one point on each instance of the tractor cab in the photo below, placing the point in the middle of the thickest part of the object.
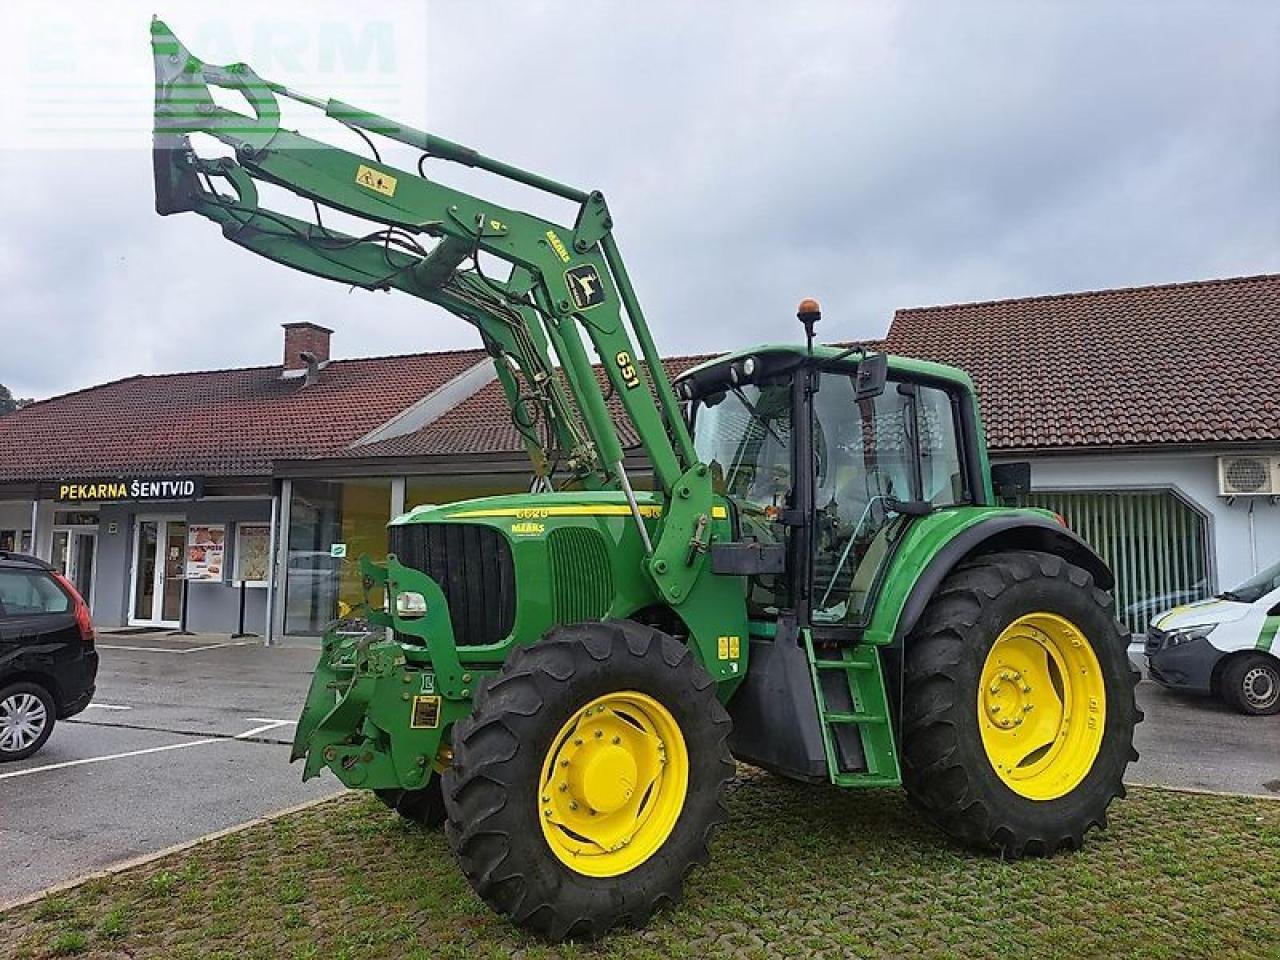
(860, 442)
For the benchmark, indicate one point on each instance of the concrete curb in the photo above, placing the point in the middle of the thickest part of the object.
(1203, 791)
(160, 854)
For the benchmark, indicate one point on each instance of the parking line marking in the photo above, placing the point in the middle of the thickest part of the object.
(110, 756)
(107, 706)
(207, 646)
(269, 725)
(248, 734)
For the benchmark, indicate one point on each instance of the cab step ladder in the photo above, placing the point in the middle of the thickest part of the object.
(861, 667)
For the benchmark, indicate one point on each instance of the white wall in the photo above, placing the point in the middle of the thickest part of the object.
(1238, 553)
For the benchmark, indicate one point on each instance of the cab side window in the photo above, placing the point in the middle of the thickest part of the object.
(941, 464)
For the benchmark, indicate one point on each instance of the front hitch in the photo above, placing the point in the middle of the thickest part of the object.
(381, 705)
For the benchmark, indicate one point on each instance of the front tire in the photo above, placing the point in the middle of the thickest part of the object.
(1019, 708)
(588, 780)
(1251, 684)
(424, 806)
(27, 714)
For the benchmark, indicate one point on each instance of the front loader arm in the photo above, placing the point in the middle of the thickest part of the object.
(426, 240)
(563, 282)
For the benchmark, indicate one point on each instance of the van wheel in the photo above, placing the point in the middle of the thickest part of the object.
(1251, 684)
(26, 720)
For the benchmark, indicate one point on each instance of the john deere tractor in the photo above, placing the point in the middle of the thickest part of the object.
(820, 582)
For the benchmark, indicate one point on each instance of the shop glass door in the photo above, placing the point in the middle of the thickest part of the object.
(75, 554)
(159, 565)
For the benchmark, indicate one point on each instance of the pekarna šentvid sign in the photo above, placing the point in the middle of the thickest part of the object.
(129, 488)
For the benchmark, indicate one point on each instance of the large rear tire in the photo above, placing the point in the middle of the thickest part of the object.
(588, 780)
(1018, 709)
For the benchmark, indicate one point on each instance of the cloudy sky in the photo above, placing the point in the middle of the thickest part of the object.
(874, 155)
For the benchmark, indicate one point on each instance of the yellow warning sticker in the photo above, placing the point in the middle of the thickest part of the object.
(376, 180)
(729, 648)
(426, 713)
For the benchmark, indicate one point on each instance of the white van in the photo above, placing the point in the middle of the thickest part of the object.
(1226, 646)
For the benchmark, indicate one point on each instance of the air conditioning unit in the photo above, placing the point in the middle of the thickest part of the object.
(1249, 476)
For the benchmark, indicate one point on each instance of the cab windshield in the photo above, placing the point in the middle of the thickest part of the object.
(1256, 587)
(744, 435)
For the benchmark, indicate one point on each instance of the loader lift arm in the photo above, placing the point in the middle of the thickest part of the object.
(563, 280)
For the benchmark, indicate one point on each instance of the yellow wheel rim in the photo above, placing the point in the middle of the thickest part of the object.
(1042, 706)
(613, 784)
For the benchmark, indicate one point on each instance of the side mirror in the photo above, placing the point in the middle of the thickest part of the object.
(868, 382)
(1011, 480)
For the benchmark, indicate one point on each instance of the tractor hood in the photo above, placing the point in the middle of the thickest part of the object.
(535, 506)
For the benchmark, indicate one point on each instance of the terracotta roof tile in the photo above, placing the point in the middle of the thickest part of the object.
(1184, 363)
(1180, 363)
(219, 422)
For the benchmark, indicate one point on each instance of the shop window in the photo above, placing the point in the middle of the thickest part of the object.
(75, 518)
(331, 523)
(1156, 543)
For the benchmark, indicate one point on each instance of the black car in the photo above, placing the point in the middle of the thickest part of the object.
(47, 661)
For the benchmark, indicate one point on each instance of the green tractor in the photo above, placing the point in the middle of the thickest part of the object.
(820, 582)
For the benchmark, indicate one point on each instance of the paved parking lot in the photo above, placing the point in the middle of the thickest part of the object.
(1201, 744)
(188, 736)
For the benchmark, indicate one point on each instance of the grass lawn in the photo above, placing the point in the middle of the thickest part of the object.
(800, 871)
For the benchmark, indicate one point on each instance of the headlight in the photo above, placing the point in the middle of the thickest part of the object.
(410, 606)
(1177, 638)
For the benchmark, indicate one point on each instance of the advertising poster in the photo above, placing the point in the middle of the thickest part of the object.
(206, 546)
(253, 548)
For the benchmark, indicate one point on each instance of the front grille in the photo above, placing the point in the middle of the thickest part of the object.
(581, 578)
(472, 564)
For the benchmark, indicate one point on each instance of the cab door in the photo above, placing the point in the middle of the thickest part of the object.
(870, 456)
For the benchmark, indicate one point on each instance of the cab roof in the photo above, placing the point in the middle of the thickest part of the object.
(897, 364)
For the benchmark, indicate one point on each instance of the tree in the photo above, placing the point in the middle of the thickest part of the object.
(8, 402)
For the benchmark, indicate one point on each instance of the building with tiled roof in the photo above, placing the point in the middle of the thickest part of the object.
(220, 423)
(1138, 409)
(1181, 364)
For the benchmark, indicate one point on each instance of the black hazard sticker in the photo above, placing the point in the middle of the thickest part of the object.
(585, 286)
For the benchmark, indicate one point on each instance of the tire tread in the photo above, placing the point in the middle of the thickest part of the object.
(934, 772)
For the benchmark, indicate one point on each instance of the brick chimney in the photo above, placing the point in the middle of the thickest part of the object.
(300, 338)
